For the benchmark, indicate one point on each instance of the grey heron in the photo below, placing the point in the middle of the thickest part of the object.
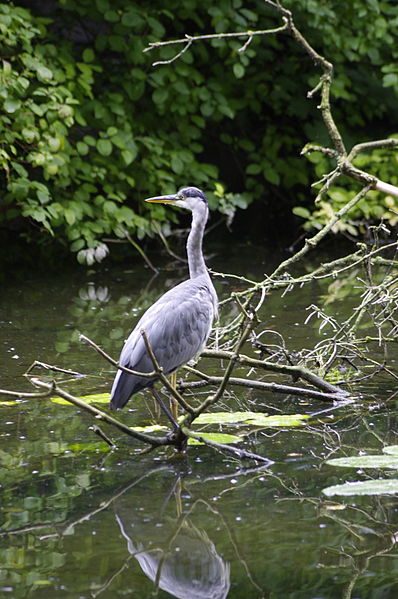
(178, 324)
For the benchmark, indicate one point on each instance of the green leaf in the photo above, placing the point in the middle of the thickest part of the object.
(70, 216)
(177, 164)
(252, 418)
(239, 70)
(29, 135)
(272, 176)
(127, 156)
(11, 105)
(96, 398)
(89, 446)
(366, 461)
(254, 169)
(216, 437)
(88, 55)
(104, 147)
(391, 450)
(152, 428)
(224, 417)
(366, 487)
(82, 148)
(44, 74)
(301, 211)
(160, 95)
(54, 144)
(43, 196)
(390, 80)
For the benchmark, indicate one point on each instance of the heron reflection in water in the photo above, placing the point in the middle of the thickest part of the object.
(182, 559)
(178, 325)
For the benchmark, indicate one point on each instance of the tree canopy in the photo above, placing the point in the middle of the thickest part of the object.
(90, 127)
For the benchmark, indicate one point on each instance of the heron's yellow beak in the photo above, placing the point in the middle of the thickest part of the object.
(170, 199)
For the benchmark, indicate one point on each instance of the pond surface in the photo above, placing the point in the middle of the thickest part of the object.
(81, 521)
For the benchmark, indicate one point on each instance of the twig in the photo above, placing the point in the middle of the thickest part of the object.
(98, 431)
(233, 359)
(27, 394)
(141, 252)
(312, 242)
(39, 364)
(188, 40)
(148, 375)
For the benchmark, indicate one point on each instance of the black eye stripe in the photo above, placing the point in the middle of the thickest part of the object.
(192, 192)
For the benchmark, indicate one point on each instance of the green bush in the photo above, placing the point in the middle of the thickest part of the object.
(90, 128)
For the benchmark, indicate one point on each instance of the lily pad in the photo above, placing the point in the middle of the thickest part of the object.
(96, 398)
(252, 418)
(279, 420)
(366, 461)
(224, 417)
(216, 437)
(366, 487)
(151, 428)
(391, 450)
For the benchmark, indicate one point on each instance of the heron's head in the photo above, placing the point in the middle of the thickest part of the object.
(188, 197)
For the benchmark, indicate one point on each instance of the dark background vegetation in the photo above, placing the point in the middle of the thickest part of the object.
(90, 128)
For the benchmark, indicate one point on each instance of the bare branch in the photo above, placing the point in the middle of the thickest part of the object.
(188, 40)
(234, 451)
(147, 375)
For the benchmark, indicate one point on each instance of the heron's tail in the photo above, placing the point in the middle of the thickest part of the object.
(124, 386)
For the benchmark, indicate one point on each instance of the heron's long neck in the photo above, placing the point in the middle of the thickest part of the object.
(196, 263)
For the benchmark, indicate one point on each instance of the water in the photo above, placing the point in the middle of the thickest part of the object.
(81, 521)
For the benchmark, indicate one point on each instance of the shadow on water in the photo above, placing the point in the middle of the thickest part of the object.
(80, 520)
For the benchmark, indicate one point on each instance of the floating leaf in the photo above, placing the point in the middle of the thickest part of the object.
(366, 461)
(151, 428)
(216, 437)
(96, 398)
(79, 447)
(366, 487)
(277, 421)
(252, 418)
(391, 450)
(225, 417)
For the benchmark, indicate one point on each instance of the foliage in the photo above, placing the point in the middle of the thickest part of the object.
(89, 127)
(377, 206)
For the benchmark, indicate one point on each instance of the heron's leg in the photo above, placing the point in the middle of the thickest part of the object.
(173, 402)
(163, 406)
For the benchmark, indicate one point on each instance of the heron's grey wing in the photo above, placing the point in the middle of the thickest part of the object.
(181, 323)
(177, 327)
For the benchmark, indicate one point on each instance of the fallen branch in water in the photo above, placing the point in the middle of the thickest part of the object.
(297, 372)
(263, 386)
